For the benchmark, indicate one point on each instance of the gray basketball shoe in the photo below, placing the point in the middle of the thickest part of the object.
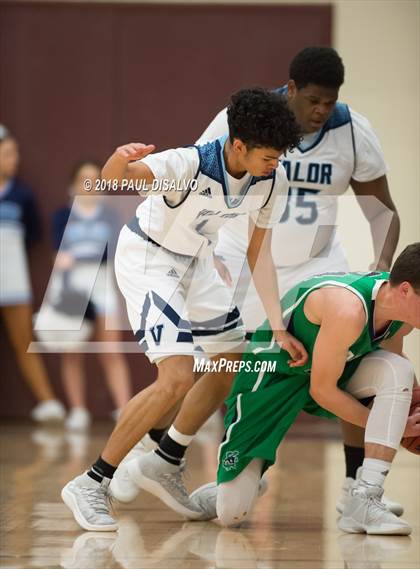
(165, 481)
(123, 488)
(89, 502)
(364, 512)
(348, 484)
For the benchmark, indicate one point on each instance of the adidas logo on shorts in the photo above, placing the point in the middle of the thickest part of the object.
(172, 273)
(206, 193)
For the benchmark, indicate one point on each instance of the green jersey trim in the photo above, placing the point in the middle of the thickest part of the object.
(235, 422)
(305, 294)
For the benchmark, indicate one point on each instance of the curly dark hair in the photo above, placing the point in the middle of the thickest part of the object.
(261, 118)
(407, 267)
(318, 65)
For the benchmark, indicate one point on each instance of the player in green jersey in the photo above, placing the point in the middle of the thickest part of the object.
(352, 326)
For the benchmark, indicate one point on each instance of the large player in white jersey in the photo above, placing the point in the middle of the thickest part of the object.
(339, 148)
(176, 302)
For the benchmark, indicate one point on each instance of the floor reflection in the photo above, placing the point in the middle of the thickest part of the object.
(372, 551)
(292, 527)
(136, 546)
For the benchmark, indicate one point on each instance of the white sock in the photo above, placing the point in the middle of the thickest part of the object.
(374, 471)
(179, 438)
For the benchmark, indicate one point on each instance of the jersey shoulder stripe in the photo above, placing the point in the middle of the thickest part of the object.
(339, 117)
(209, 163)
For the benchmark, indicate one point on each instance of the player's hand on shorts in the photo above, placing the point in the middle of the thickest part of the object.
(412, 428)
(134, 151)
(295, 348)
(222, 270)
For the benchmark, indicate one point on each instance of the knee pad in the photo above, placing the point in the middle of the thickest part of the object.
(229, 516)
(235, 499)
(397, 375)
(389, 413)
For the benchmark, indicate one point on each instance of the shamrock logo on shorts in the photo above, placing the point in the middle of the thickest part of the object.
(231, 459)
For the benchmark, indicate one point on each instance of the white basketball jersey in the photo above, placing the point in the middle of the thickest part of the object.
(345, 148)
(190, 225)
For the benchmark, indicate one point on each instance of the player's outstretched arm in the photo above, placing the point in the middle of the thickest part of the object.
(342, 319)
(122, 163)
(378, 212)
(264, 275)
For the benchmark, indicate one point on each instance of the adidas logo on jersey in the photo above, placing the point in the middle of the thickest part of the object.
(206, 193)
(172, 273)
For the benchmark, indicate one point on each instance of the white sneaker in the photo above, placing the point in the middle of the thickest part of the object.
(78, 419)
(122, 487)
(205, 497)
(163, 480)
(349, 483)
(145, 445)
(89, 502)
(365, 513)
(51, 410)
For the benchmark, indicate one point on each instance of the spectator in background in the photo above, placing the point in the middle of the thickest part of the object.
(84, 237)
(19, 227)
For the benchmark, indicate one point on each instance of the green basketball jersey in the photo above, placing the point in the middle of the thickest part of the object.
(263, 404)
(262, 346)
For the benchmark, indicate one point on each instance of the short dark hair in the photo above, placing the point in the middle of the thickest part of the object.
(318, 65)
(261, 118)
(407, 267)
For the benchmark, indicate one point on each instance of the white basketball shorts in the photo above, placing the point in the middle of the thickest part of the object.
(177, 305)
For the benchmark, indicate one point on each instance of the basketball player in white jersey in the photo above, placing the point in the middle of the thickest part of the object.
(177, 304)
(339, 148)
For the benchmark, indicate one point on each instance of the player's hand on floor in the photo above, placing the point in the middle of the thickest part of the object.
(412, 428)
(295, 348)
(222, 270)
(134, 151)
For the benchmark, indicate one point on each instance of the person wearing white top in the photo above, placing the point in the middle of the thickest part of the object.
(339, 149)
(177, 304)
(20, 227)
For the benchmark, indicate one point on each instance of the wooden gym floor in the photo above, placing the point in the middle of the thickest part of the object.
(292, 527)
